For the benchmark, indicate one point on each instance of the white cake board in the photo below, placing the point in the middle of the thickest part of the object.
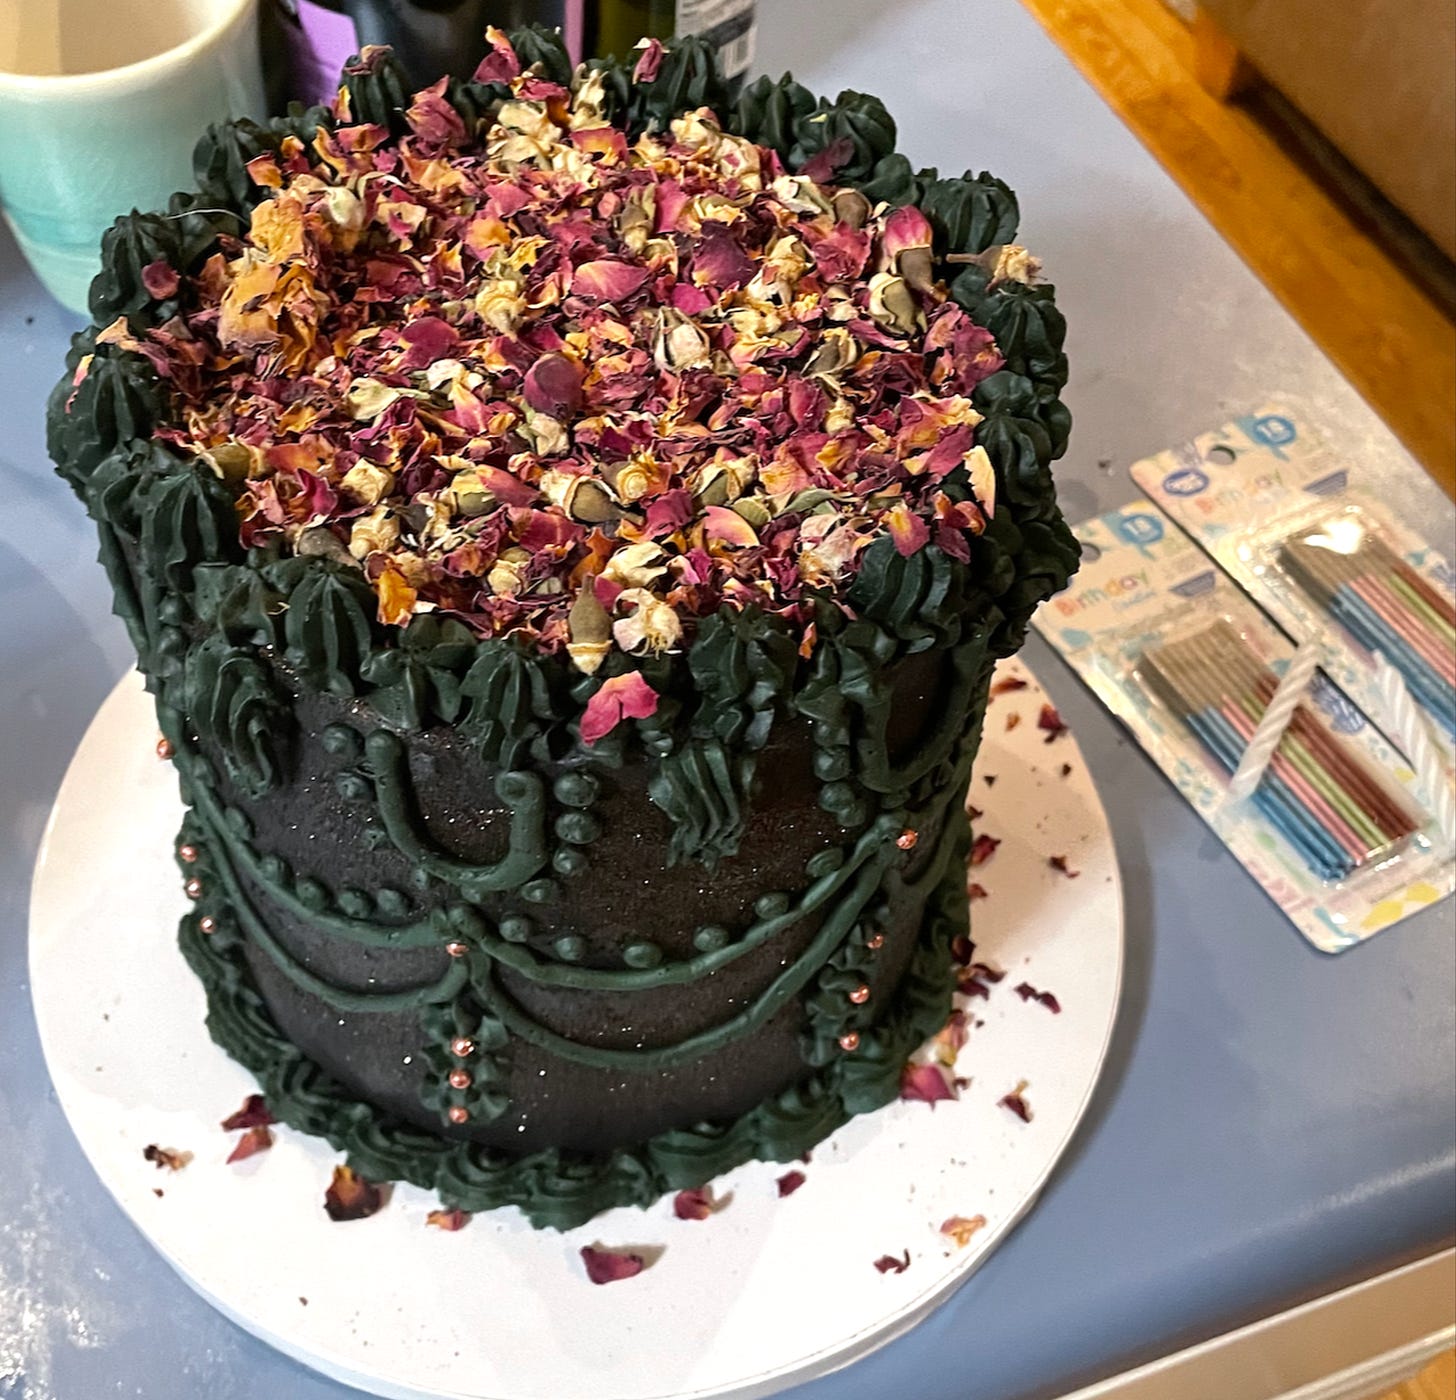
(767, 1293)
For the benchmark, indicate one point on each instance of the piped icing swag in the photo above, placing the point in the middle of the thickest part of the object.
(569, 387)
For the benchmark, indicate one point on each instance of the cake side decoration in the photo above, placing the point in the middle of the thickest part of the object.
(568, 523)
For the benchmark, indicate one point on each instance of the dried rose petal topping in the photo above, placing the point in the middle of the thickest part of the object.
(609, 1265)
(976, 890)
(962, 950)
(351, 1197)
(1060, 863)
(256, 1139)
(450, 1220)
(984, 848)
(1006, 683)
(961, 1228)
(973, 987)
(171, 1158)
(925, 1084)
(253, 1114)
(694, 1205)
(1016, 1102)
(1013, 719)
(1050, 721)
(506, 370)
(790, 1182)
(893, 1264)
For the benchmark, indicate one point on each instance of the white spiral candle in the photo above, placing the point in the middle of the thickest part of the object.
(1274, 721)
(1409, 730)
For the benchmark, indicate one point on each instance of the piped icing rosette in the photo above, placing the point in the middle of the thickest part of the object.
(571, 386)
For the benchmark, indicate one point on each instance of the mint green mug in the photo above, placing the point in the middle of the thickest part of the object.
(101, 102)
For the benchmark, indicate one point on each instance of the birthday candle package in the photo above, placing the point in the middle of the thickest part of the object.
(1336, 829)
(1289, 520)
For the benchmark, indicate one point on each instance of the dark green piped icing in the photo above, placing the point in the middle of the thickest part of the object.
(704, 792)
(234, 703)
(234, 645)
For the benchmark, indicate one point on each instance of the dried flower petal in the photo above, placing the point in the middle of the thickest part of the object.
(605, 279)
(1059, 863)
(961, 1228)
(500, 65)
(925, 1084)
(610, 1266)
(172, 1158)
(951, 1039)
(983, 848)
(694, 1205)
(627, 696)
(1051, 722)
(1002, 684)
(1016, 1102)
(253, 1114)
(893, 1264)
(351, 1197)
(1029, 993)
(450, 1220)
(160, 280)
(790, 1182)
(257, 1139)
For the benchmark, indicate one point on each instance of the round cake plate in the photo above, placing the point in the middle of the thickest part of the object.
(767, 1292)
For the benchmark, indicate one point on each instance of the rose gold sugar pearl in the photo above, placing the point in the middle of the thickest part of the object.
(165, 748)
(849, 1040)
(860, 995)
(456, 950)
(876, 943)
(459, 1079)
(458, 1114)
(462, 1046)
(187, 854)
(193, 888)
(207, 924)
(906, 840)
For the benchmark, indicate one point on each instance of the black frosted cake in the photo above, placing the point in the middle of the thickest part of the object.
(568, 522)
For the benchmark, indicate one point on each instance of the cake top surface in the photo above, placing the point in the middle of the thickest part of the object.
(572, 388)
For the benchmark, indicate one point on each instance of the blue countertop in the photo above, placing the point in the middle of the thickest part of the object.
(1272, 1124)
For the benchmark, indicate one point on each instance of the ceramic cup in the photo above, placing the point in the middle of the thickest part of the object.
(101, 103)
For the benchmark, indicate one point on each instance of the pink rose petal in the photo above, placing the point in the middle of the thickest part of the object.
(609, 1266)
(909, 532)
(925, 1084)
(500, 65)
(627, 696)
(693, 1205)
(646, 68)
(605, 279)
(253, 1114)
(160, 280)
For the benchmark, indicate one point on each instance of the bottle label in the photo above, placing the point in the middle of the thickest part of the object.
(726, 24)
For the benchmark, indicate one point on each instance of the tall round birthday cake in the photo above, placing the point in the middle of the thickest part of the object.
(567, 521)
